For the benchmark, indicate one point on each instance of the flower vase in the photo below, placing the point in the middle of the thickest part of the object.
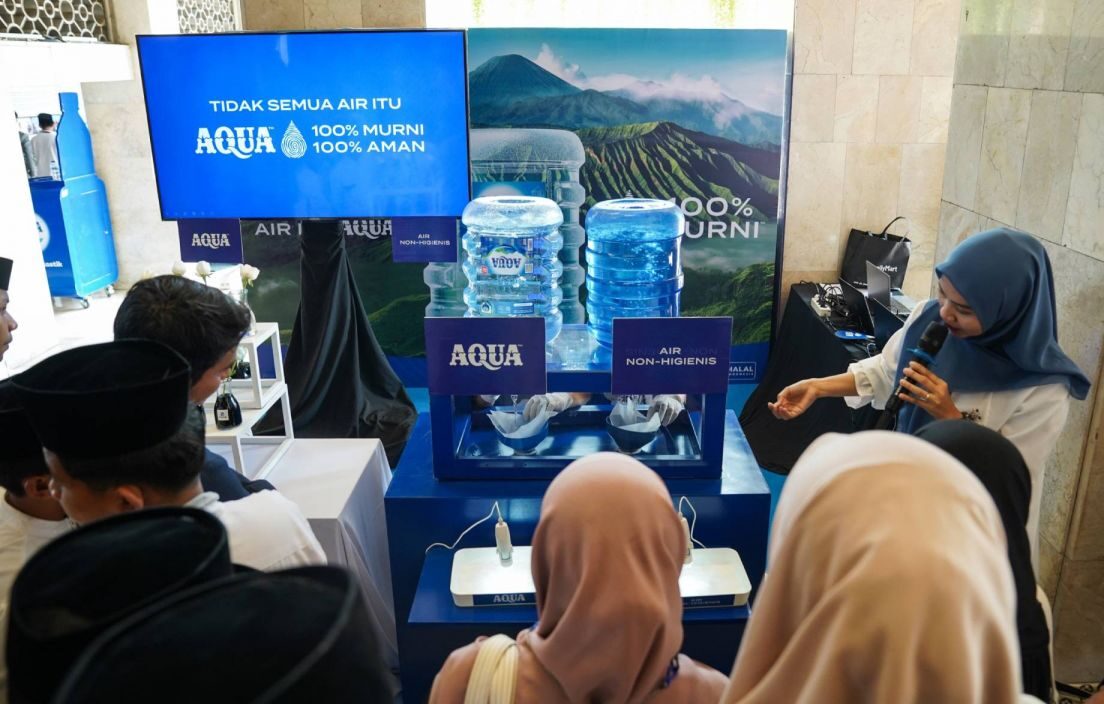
(243, 298)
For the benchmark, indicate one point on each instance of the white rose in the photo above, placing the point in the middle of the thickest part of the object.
(146, 274)
(179, 269)
(203, 269)
(249, 273)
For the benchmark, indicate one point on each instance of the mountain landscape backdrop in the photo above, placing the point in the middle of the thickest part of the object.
(512, 91)
(657, 141)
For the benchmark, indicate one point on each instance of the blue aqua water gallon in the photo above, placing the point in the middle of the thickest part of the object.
(512, 247)
(634, 267)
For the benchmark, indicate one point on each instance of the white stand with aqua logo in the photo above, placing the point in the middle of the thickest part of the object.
(714, 577)
(480, 578)
(502, 575)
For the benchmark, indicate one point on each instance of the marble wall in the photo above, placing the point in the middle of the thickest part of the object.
(328, 14)
(1025, 149)
(871, 105)
(124, 160)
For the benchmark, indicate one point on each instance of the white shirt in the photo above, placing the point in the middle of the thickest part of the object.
(267, 531)
(1031, 418)
(20, 537)
(44, 150)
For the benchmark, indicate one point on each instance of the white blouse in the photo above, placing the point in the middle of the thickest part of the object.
(1031, 418)
(266, 531)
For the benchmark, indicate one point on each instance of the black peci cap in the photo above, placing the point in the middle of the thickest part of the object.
(84, 582)
(5, 272)
(299, 635)
(140, 385)
(19, 439)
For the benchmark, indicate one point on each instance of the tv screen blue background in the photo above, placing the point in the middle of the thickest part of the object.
(426, 70)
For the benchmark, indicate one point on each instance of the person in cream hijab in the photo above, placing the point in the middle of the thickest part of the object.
(607, 554)
(887, 581)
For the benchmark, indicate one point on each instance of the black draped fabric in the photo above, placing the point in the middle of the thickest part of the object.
(339, 380)
(806, 346)
(1001, 468)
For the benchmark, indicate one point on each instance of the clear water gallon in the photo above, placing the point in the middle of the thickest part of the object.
(512, 247)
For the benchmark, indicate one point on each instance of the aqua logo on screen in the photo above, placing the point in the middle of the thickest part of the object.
(293, 145)
(242, 142)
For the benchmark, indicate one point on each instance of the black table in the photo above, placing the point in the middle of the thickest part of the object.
(806, 346)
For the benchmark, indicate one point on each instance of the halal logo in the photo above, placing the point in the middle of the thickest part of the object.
(293, 145)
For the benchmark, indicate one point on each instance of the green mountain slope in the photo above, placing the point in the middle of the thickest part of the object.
(399, 325)
(663, 160)
(745, 295)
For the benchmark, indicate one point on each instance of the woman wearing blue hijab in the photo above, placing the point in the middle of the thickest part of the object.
(1001, 365)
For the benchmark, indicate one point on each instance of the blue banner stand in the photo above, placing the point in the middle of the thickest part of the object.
(733, 511)
(74, 224)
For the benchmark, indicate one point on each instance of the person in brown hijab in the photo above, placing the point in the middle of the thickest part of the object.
(887, 582)
(606, 559)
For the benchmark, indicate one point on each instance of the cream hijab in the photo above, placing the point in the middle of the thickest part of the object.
(607, 554)
(887, 582)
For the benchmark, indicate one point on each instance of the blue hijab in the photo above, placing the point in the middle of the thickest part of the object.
(1005, 277)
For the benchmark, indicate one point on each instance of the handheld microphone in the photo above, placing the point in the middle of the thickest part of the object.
(929, 345)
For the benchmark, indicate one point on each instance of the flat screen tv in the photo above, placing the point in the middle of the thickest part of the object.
(308, 124)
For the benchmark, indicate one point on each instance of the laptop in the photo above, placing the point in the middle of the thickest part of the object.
(886, 322)
(877, 285)
(855, 301)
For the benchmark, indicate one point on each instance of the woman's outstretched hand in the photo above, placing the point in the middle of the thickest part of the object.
(794, 400)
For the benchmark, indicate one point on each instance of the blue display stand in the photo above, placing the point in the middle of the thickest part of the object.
(78, 246)
(733, 511)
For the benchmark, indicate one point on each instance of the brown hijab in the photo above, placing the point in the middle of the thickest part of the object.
(607, 554)
(887, 582)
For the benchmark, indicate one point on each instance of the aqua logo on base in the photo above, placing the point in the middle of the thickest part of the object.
(520, 599)
(490, 357)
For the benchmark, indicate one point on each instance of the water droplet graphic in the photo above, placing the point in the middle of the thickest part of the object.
(293, 145)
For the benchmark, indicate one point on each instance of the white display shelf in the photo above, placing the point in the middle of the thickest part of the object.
(256, 396)
(256, 391)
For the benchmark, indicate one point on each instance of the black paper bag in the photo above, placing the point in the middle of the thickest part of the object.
(890, 253)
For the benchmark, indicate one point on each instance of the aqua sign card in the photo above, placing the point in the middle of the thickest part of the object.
(210, 240)
(670, 355)
(425, 239)
(470, 356)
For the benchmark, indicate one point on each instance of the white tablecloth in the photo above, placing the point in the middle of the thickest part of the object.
(339, 485)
